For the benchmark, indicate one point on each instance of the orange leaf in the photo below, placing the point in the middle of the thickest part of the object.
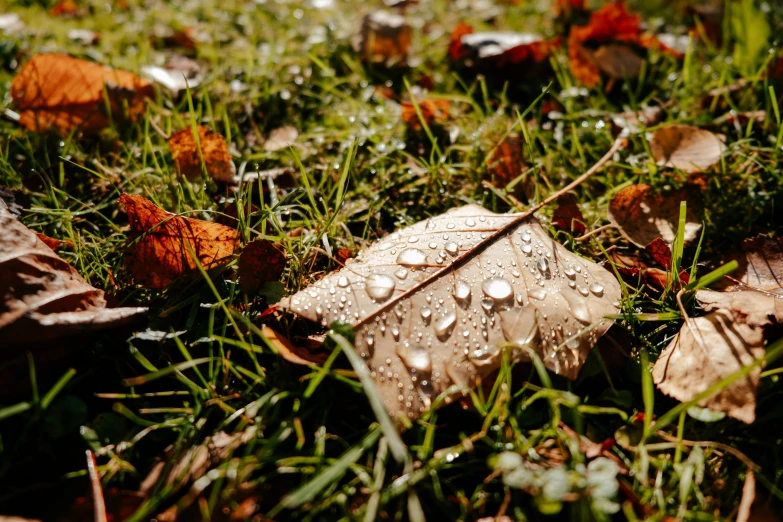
(457, 50)
(213, 149)
(260, 261)
(567, 216)
(431, 111)
(53, 243)
(612, 23)
(61, 93)
(506, 161)
(164, 251)
(65, 8)
(292, 353)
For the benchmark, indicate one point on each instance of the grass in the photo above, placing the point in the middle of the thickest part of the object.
(230, 429)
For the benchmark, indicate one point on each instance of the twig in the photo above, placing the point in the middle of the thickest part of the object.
(593, 232)
(98, 503)
(710, 444)
(617, 145)
(157, 129)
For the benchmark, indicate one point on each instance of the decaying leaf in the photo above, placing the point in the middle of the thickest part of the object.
(292, 353)
(685, 147)
(760, 266)
(385, 37)
(433, 305)
(641, 215)
(260, 261)
(61, 93)
(281, 138)
(188, 154)
(567, 216)
(609, 45)
(41, 296)
(506, 161)
(163, 253)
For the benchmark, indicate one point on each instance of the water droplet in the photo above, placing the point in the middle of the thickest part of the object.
(488, 356)
(462, 292)
(415, 357)
(527, 249)
(597, 288)
(444, 326)
(379, 286)
(578, 305)
(342, 281)
(412, 257)
(537, 294)
(497, 288)
(395, 332)
(452, 248)
(433, 245)
(450, 226)
(525, 237)
(570, 272)
(426, 313)
(582, 290)
(543, 265)
(402, 273)
(487, 305)
(519, 326)
(469, 222)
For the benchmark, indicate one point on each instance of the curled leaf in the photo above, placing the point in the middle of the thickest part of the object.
(685, 147)
(641, 215)
(61, 93)
(760, 265)
(163, 252)
(42, 296)
(260, 261)
(292, 353)
(211, 149)
(436, 304)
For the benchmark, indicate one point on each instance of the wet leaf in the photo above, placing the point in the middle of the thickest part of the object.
(188, 154)
(60, 93)
(43, 297)
(433, 305)
(685, 147)
(162, 254)
(292, 353)
(385, 37)
(642, 215)
(281, 138)
(260, 261)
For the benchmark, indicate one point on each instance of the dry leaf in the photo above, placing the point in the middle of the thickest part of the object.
(291, 352)
(163, 252)
(634, 268)
(433, 304)
(385, 37)
(712, 348)
(260, 261)
(51, 242)
(281, 138)
(61, 93)
(506, 161)
(641, 216)
(178, 73)
(43, 297)
(211, 147)
(760, 265)
(685, 147)
(567, 216)
(432, 111)
(660, 251)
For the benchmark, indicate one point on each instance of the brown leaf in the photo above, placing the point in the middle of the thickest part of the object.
(43, 297)
(291, 352)
(567, 216)
(260, 261)
(281, 138)
(385, 37)
(662, 254)
(760, 265)
(641, 215)
(188, 154)
(61, 93)
(685, 147)
(507, 160)
(434, 304)
(432, 111)
(163, 252)
(712, 348)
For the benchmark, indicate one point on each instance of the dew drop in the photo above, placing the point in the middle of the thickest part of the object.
(379, 286)
(413, 239)
(462, 292)
(433, 245)
(543, 265)
(537, 294)
(582, 290)
(395, 332)
(426, 313)
(412, 257)
(342, 281)
(497, 288)
(415, 357)
(469, 222)
(570, 272)
(402, 273)
(525, 237)
(452, 248)
(597, 288)
(527, 249)
(444, 326)
(578, 305)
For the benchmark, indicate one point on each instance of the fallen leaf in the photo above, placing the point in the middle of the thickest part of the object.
(291, 352)
(66, 9)
(634, 121)
(385, 37)
(660, 251)
(61, 93)
(685, 147)
(567, 216)
(641, 215)
(434, 304)
(506, 161)
(760, 266)
(162, 254)
(712, 348)
(51, 242)
(259, 262)
(188, 154)
(281, 138)
(43, 297)
(432, 111)
(633, 268)
(177, 74)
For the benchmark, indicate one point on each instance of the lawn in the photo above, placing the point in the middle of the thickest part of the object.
(309, 132)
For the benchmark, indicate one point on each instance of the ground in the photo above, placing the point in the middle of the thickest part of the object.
(243, 433)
